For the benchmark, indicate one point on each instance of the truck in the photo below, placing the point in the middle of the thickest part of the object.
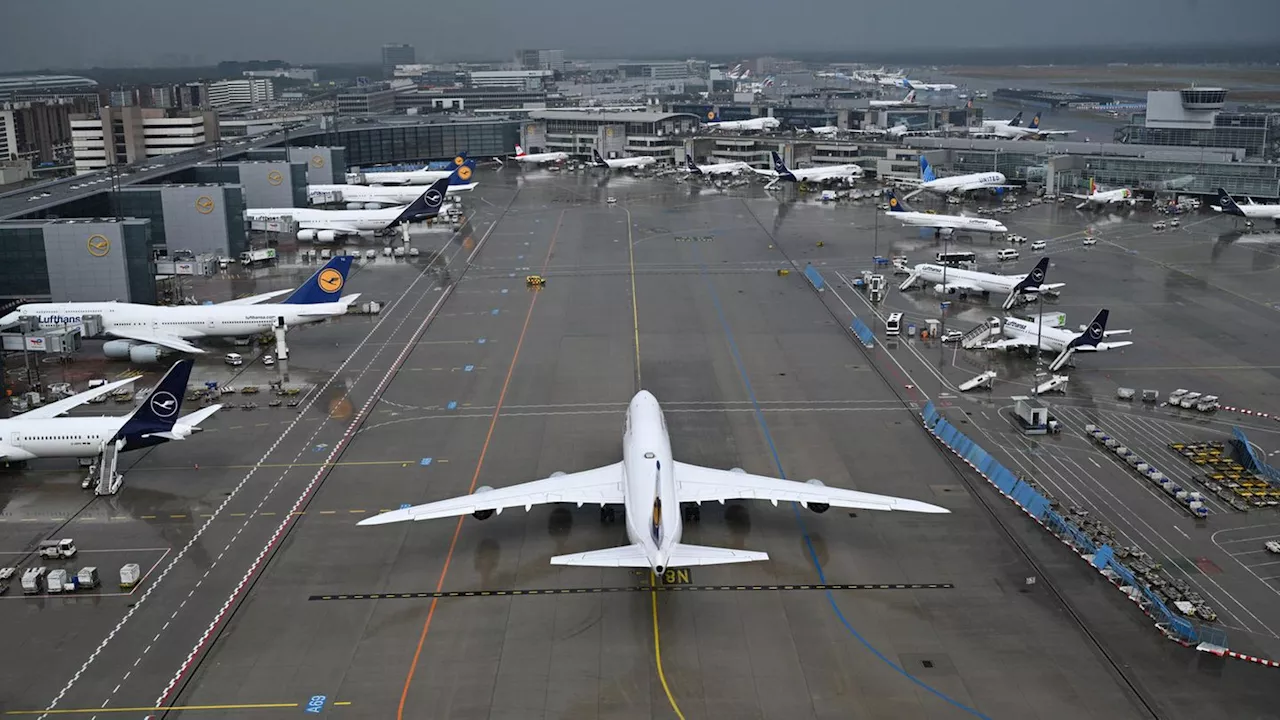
(260, 255)
(87, 578)
(31, 578)
(55, 581)
(64, 548)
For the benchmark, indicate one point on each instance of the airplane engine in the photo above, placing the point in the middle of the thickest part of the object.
(117, 349)
(737, 470)
(355, 206)
(326, 236)
(146, 354)
(945, 289)
(557, 473)
(373, 206)
(817, 507)
(482, 514)
(306, 235)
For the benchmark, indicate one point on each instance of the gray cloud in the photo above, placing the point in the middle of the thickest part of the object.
(74, 33)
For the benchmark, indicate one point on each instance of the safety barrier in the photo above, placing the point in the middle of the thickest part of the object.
(814, 277)
(1038, 507)
(864, 333)
(1251, 460)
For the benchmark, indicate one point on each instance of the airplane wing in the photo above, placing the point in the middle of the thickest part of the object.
(1051, 286)
(600, 486)
(256, 299)
(702, 484)
(338, 230)
(6, 451)
(682, 555)
(54, 409)
(190, 424)
(1008, 343)
(170, 341)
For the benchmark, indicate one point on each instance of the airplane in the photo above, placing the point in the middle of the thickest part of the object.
(1250, 210)
(760, 124)
(829, 173)
(41, 433)
(412, 177)
(941, 224)
(1023, 334)
(651, 487)
(1014, 121)
(638, 161)
(374, 197)
(328, 225)
(1032, 131)
(147, 332)
(927, 87)
(538, 158)
(910, 99)
(955, 281)
(729, 168)
(968, 182)
(1100, 197)
(829, 131)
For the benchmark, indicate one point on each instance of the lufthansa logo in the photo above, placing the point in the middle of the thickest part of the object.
(317, 161)
(893, 201)
(204, 204)
(458, 160)
(164, 404)
(330, 280)
(532, 129)
(711, 115)
(99, 245)
(464, 172)
(609, 132)
(432, 197)
(1037, 274)
(275, 177)
(1095, 331)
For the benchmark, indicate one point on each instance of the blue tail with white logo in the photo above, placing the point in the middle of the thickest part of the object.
(926, 170)
(690, 165)
(429, 202)
(462, 174)
(1016, 120)
(325, 286)
(155, 417)
(1228, 204)
(781, 167)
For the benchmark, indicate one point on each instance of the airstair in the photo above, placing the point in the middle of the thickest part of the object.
(909, 282)
(981, 334)
(985, 380)
(102, 474)
(1057, 383)
(1060, 361)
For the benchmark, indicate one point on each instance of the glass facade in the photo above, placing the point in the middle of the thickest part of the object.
(138, 265)
(24, 272)
(145, 203)
(1252, 179)
(233, 206)
(381, 145)
(1257, 133)
(1012, 164)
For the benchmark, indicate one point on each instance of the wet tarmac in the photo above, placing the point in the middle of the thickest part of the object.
(263, 598)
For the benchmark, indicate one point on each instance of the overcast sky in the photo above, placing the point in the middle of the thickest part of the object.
(80, 33)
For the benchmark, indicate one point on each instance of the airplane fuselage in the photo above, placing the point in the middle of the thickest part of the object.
(965, 183)
(1255, 211)
(70, 437)
(184, 321)
(948, 222)
(754, 124)
(338, 220)
(400, 195)
(539, 158)
(631, 162)
(731, 168)
(1052, 339)
(653, 516)
(410, 177)
(831, 172)
(987, 281)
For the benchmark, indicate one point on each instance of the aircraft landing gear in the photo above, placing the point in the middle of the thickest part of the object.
(607, 514)
(692, 513)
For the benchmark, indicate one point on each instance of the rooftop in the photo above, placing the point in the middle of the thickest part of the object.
(644, 116)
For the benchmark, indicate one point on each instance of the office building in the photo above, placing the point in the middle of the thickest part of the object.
(246, 91)
(38, 85)
(302, 74)
(613, 134)
(366, 100)
(655, 70)
(540, 60)
(163, 96)
(394, 54)
(1194, 117)
(491, 98)
(527, 79)
(136, 134)
(123, 97)
(77, 260)
(38, 131)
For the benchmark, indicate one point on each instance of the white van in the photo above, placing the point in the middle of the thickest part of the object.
(893, 325)
(1038, 245)
(1007, 254)
(234, 359)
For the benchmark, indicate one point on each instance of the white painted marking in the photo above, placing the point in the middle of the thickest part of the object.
(1095, 463)
(1180, 532)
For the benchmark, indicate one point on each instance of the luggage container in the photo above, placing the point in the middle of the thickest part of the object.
(1198, 509)
(87, 577)
(55, 580)
(31, 578)
(129, 576)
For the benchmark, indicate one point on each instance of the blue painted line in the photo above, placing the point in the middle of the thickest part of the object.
(425, 462)
(795, 507)
(453, 405)
(316, 704)
(405, 506)
(468, 368)
(495, 310)
(481, 341)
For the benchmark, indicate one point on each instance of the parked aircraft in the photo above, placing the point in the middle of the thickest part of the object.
(651, 487)
(1009, 131)
(538, 158)
(941, 224)
(375, 197)
(910, 99)
(148, 332)
(637, 161)
(1098, 197)
(927, 87)
(41, 433)
(759, 124)
(729, 168)
(956, 281)
(412, 177)
(1025, 334)
(847, 172)
(329, 225)
(968, 182)
(1250, 210)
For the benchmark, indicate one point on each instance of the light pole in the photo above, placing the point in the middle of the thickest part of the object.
(1039, 350)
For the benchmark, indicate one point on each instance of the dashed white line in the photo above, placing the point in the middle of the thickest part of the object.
(1180, 532)
(1095, 463)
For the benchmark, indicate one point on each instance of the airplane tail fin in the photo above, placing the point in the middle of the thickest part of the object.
(690, 164)
(1033, 280)
(429, 202)
(159, 411)
(926, 171)
(895, 205)
(595, 154)
(1017, 120)
(779, 166)
(713, 115)
(910, 98)
(460, 158)
(1035, 122)
(462, 172)
(325, 286)
(519, 151)
(1228, 204)
(1087, 340)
